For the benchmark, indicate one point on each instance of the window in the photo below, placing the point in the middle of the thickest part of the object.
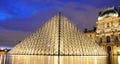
(90, 35)
(108, 39)
(116, 39)
(100, 40)
(108, 25)
(119, 35)
(119, 22)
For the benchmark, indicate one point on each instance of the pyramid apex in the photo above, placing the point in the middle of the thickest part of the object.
(59, 12)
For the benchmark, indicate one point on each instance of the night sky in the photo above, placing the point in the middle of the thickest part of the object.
(19, 18)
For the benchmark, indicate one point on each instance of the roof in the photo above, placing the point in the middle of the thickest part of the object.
(5, 50)
(58, 36)
(108, 11)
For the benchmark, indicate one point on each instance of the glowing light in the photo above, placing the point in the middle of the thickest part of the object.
(0, 59)
(118, 59)
(118, 50)
(118, 56)
(95, 60)
(4, 47)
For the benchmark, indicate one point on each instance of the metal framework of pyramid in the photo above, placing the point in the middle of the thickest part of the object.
(58, 37)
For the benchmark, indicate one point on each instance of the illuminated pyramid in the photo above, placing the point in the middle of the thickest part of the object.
(58, 37)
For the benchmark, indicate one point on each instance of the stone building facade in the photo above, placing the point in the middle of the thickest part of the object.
(3, 53)
(91, 34)
(107, 33)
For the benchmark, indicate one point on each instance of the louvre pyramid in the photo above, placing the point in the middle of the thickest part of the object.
(58, 36)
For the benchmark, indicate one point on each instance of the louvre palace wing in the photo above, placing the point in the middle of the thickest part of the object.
(58, 36)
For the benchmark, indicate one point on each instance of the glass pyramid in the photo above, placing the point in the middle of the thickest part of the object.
(56, 37)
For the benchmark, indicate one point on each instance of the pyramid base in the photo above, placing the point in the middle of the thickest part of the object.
(36, 59)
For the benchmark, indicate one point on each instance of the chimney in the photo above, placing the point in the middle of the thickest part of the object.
(99, 13)
(94, 29)
(85, 30)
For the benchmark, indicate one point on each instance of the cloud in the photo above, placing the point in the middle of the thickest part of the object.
(14, 9)
(28, 24)
(76, 11)
(13, 31)
(84, 16)
(4, 15)
(11, 37)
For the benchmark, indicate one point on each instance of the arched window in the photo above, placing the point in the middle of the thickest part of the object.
(108, 25)
(108, 39)
(100, 40)
(119, 22)
(90, 35)
(116, 39)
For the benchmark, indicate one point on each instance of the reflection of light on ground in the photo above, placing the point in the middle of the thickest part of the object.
(0, 59)
(118, 59)
(118, 51)
(95, 60)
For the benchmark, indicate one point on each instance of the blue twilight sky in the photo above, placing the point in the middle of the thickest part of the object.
(19, 18)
